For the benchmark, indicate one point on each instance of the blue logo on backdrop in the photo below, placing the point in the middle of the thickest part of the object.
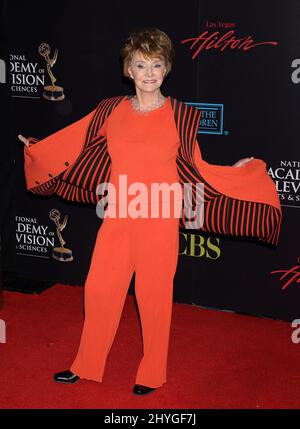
(212, 117)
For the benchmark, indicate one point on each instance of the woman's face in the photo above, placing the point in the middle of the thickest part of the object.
(148, 75)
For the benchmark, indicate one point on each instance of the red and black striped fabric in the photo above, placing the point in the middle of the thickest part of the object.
(47, 188)
(218, 213)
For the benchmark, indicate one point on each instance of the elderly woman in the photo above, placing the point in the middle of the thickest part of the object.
(147, 138)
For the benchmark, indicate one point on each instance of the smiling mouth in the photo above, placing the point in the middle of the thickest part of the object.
(149, 81)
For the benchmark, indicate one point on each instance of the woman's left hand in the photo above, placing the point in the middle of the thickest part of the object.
(242, 161)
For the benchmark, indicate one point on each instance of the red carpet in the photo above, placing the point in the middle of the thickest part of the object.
(216, 359)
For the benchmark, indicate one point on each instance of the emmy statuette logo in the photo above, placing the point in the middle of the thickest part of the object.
(51, 92)
(60, 253)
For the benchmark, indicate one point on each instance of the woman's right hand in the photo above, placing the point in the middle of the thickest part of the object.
(24, 140)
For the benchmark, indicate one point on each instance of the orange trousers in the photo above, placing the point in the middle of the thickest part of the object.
(148, 246)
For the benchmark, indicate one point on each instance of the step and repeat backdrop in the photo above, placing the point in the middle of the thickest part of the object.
(239, 63)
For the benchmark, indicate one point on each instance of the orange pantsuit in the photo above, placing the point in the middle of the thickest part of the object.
(142, 146)
(160, 146)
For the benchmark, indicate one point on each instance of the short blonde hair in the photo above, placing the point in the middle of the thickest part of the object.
(150, 42)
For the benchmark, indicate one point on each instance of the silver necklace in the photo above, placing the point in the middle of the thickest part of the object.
(156, 105)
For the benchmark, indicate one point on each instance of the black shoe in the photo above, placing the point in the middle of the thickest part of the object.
(142, 390)
(66, 377)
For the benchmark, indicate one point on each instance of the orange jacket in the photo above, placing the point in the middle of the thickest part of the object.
(239, 201)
